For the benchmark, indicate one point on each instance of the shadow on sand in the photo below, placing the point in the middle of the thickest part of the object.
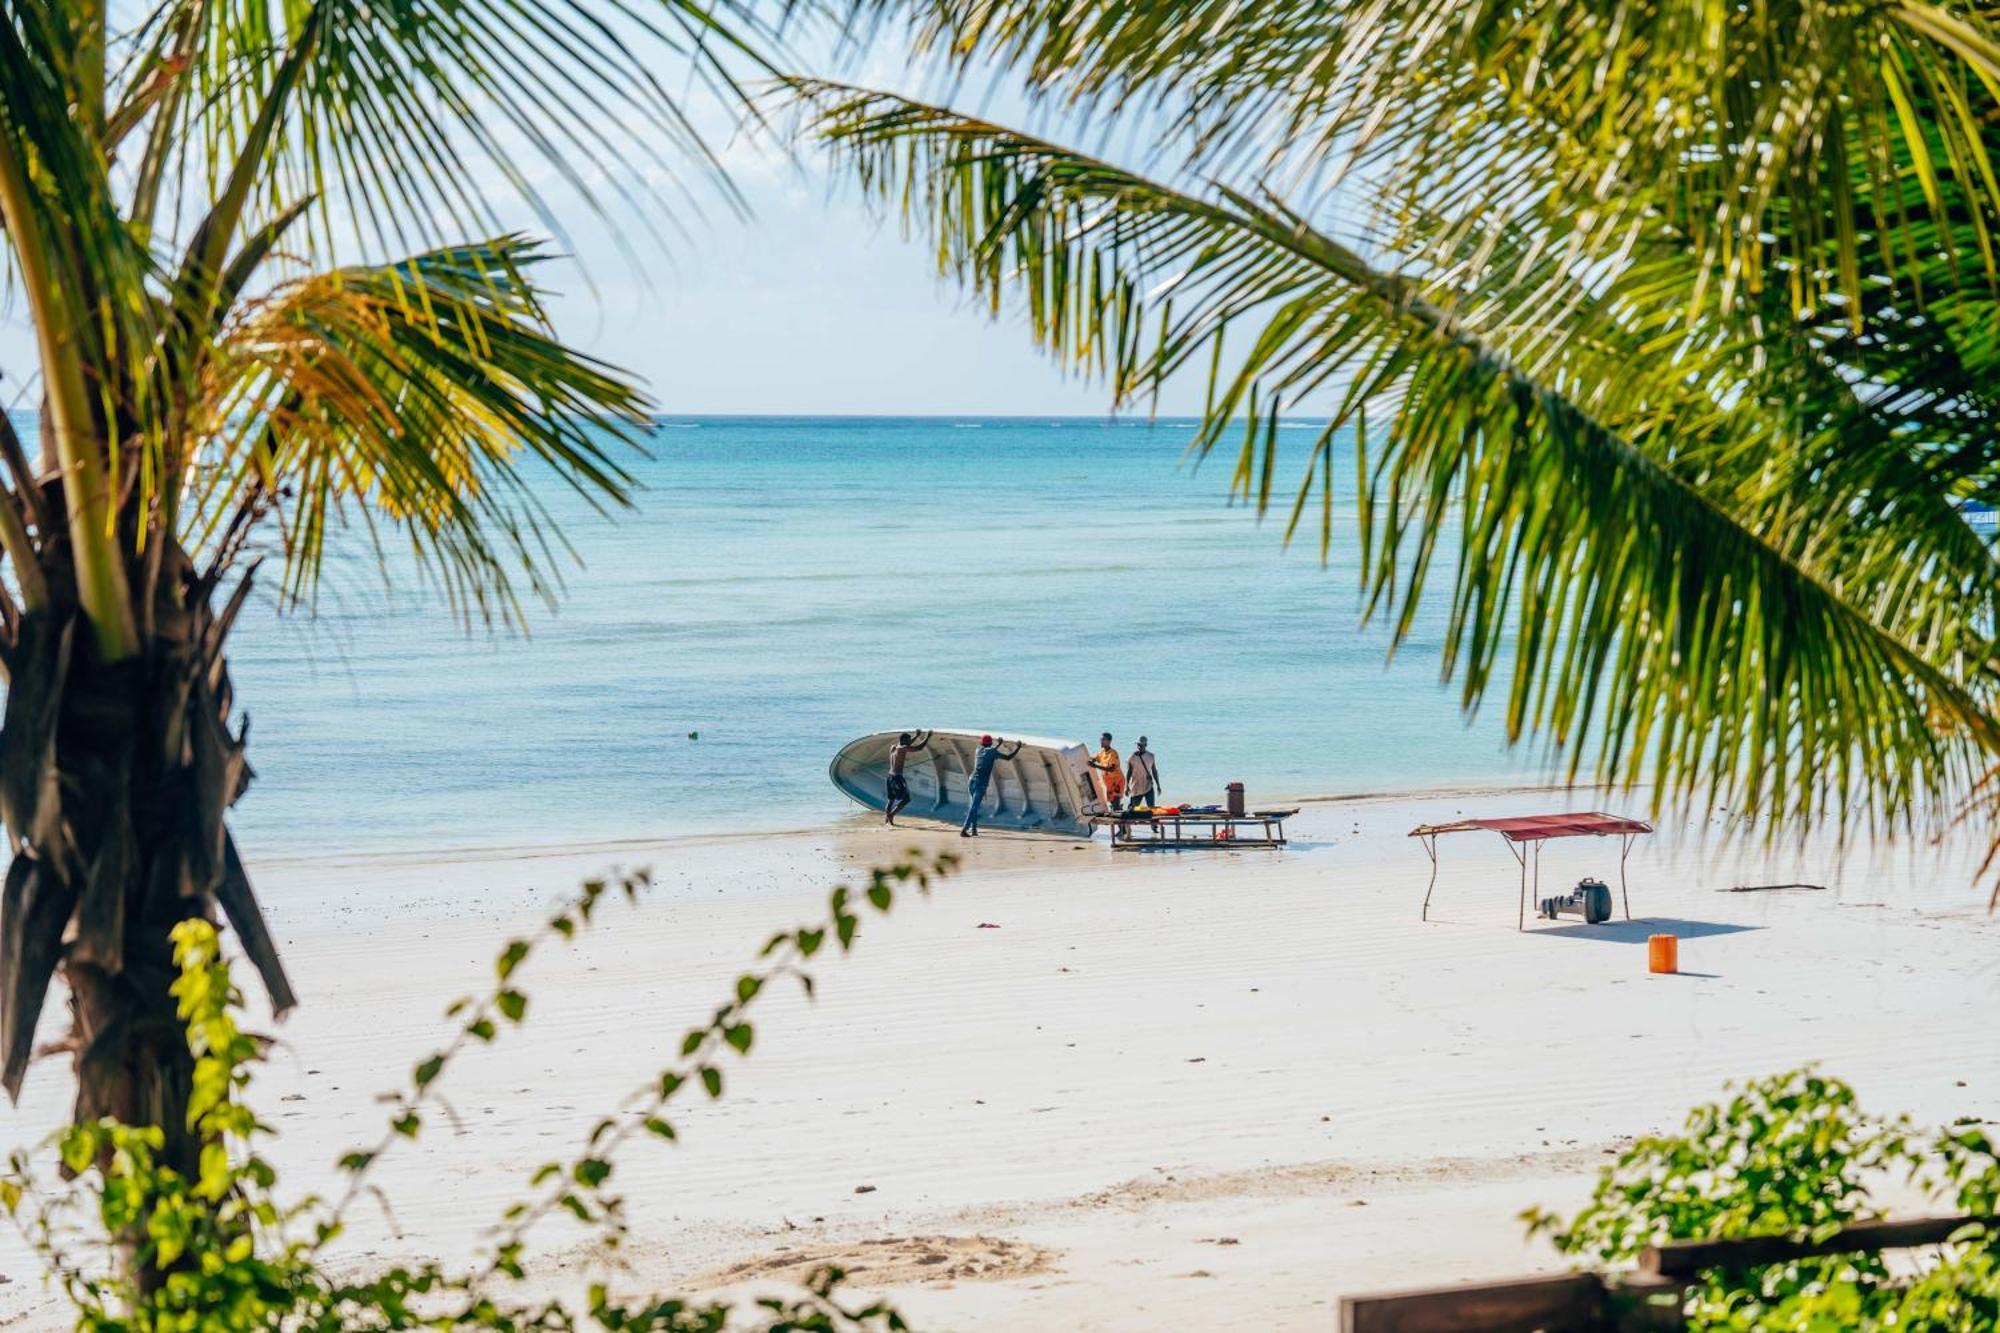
(1635, 932)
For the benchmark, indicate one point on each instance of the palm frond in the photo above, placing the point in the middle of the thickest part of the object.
(77, 264)
(1735, 126)
(1618, 582)
(398, 124)
(428, 397)
(406, 116)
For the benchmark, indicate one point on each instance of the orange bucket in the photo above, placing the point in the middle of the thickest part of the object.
(1663, 953)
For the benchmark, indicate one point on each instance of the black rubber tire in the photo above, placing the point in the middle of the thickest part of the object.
(1596, 905)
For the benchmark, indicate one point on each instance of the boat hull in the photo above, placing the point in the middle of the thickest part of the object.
(1045, 788)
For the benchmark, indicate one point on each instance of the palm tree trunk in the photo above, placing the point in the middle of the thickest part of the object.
(115, 778)
(125, 853)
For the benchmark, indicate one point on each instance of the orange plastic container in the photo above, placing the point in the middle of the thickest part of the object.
(1663, 953)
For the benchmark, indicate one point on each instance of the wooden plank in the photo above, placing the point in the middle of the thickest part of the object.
(1574, 1303)
(1646, 1303)
(1203, 816)
(1685, 1258)
(1186, 832)
(1194, 844)
(1567, 1303)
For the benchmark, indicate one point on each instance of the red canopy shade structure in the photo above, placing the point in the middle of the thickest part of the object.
(1537, 829)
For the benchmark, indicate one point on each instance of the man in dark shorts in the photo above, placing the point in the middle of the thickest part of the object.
(899, 789)
(1142, 778)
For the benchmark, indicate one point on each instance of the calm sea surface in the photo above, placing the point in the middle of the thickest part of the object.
(787, 584)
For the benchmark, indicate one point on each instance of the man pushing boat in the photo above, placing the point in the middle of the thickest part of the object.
(990, 752)
(898, 792)
(1048, 788)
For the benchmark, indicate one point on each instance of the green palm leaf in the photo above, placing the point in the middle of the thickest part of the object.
(403, 114)
(218, 130)
(425, 394)
(1660, 612)
(1720, 121)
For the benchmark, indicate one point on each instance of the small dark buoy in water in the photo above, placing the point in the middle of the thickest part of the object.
(694, 735)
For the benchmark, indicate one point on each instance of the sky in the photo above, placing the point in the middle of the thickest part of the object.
(807, 306)
(814, 305)
(811, 306)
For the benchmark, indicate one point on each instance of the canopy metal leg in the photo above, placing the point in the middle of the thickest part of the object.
(1521, 913)
(1430, 849)
(1624, 850)
(1538, 874)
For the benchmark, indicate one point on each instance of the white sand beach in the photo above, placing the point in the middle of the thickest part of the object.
(1105, 1090)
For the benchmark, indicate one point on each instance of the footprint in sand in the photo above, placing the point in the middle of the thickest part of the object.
(894, 1261)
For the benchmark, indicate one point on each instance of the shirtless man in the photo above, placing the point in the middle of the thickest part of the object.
(899, 790)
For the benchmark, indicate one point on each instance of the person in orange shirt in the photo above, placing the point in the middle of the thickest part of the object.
(1110, 773)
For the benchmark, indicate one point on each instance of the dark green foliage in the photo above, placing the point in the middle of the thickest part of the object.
(1794, 1155)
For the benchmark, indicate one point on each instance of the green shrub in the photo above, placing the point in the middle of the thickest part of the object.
(136, 1245)
(1795, 1155)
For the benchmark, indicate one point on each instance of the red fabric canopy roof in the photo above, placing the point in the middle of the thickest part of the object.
(1531, 828)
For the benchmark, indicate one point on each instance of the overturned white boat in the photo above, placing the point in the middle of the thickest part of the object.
(1045, 788)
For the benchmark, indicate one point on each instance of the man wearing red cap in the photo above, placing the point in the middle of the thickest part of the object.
(990, 753)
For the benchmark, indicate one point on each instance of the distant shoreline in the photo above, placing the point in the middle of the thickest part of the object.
(532, 848)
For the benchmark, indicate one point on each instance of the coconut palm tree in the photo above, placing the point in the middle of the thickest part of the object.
(271, 294)
(1676, 321)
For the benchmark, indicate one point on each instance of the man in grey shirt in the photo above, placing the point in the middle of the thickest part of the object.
(991, 751)
(1142, 777)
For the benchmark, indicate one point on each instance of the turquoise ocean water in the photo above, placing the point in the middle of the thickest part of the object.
(787, 584)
